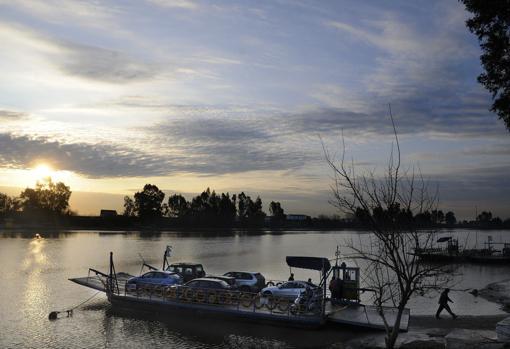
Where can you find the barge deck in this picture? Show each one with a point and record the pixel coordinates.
(240, 305)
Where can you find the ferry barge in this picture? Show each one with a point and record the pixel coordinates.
(451, 253)
(314, 312)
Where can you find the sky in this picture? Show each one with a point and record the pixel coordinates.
(237, 95)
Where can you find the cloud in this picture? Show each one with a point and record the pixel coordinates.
(10, 115)
(84, 61)
(180, 4)
(94, 160)
(102, 64)
(421, 69)
(193, 154)
(89, 14)
(225, 144)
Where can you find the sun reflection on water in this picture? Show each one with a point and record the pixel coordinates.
(35, 294)
(35, 256)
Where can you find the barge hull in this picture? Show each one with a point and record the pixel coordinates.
(169, 308)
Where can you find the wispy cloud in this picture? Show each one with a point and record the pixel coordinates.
(11, 115)
(182, 4)
(93, 160)
(102, 64)
(90, 62)
(91, 14)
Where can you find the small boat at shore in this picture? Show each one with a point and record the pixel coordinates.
(313, 311)
(451, 253)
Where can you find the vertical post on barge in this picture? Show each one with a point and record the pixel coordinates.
(324, 282)
(168, 253)
(111, 287)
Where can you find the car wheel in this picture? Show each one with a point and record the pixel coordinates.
(267, 294)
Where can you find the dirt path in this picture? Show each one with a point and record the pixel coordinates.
(487, 322)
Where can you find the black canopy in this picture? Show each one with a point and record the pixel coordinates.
(315, 263)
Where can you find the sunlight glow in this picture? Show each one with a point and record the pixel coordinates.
(42, 171)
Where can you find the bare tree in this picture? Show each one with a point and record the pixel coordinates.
(387, 204)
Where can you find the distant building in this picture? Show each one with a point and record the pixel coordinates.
(108, 213)
(297, 217)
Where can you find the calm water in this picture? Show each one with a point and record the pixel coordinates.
(34, 273)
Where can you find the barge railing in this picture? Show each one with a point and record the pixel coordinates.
(240, 301)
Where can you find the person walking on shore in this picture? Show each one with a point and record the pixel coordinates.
(443, 304)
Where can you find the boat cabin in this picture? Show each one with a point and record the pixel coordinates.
(350, 281)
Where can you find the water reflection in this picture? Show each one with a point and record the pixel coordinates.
(196, 331)
(34, 288)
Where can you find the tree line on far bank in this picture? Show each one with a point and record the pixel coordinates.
(49, 201)
(206, 208)
(403, 218)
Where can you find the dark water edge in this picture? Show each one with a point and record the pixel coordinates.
(24, 221)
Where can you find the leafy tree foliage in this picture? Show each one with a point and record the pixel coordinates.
(129, 207)
(47, 197)
(148, 202)
(486, 220)
(227, 208)
(450, 218)
(250, 211)
(491, 24)
(484, 217)
(8, 204)
(437, 217)
(178, 207)
(206, 209)
(213, 208)
(276, 210)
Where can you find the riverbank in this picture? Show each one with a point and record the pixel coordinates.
(498, 292)
(426, 332)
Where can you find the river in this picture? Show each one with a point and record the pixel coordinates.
(34, 275)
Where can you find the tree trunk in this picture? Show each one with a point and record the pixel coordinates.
(391, 337)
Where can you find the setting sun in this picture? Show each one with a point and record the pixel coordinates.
(42, 171)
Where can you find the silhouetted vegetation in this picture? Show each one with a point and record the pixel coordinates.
(207, 209)
(47, 198)
(148, 202)
(48, 203)
(392, 207)
(8, 205)
(277, 213)
(491, 24)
